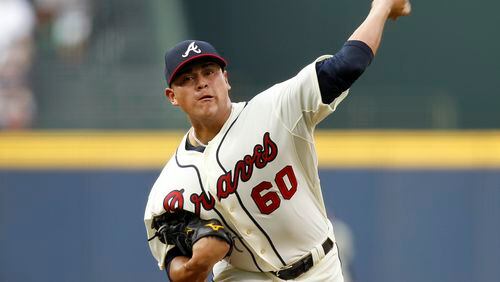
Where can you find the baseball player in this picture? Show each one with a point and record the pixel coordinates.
(241, 196)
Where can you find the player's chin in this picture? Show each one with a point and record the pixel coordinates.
(207, 104)
(207, 107)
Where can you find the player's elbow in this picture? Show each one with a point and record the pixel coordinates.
(350, 62)
(354, 70)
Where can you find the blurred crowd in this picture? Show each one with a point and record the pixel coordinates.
(66, 23)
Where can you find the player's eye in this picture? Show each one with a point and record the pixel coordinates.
(209, 71)
(187, 78)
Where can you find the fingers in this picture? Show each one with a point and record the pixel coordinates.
(407, 9)
(395, 8)
(400, 9)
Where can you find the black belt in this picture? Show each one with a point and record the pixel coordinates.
(295, 270)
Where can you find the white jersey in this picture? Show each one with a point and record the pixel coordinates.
(258, 176)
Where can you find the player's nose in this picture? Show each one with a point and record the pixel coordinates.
(201, 82)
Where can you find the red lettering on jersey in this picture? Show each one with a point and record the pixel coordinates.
(247, 170)
(174, 201)
(243, 169)
(269, 154)
(225, 186)
(202, 200)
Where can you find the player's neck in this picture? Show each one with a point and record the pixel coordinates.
(200, 136)
(204, 131)
(197, 142)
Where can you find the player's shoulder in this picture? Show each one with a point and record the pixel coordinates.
(305, 75)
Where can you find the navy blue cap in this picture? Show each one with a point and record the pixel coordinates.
(188, 51)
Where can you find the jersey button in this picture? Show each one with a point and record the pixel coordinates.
(262, 251)
(248, 232)
(231, 209)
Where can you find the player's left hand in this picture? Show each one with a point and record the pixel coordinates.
(184, 229)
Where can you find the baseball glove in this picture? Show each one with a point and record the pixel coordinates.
(183, 229)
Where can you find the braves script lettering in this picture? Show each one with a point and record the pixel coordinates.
(243, 169)
(174, 201)
(202, 200)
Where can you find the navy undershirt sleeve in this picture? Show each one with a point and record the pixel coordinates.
(338, 73)
(175, 252)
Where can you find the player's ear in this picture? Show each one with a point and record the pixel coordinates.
(226, 77)
(169, 92)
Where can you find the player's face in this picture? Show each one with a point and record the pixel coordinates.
(202, 92)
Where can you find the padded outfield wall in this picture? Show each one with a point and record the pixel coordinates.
(422, 206)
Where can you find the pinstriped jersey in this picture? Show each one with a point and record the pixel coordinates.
(258, 176)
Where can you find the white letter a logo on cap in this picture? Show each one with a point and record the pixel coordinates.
(192, 47)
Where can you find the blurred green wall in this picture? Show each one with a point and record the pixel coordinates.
(437, 69)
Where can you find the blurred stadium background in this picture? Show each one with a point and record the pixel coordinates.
(410, 162)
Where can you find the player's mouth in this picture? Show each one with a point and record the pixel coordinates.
(206, 98)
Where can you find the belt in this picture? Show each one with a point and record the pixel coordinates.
(298, 268)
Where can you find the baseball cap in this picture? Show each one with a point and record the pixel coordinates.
(188, 51)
